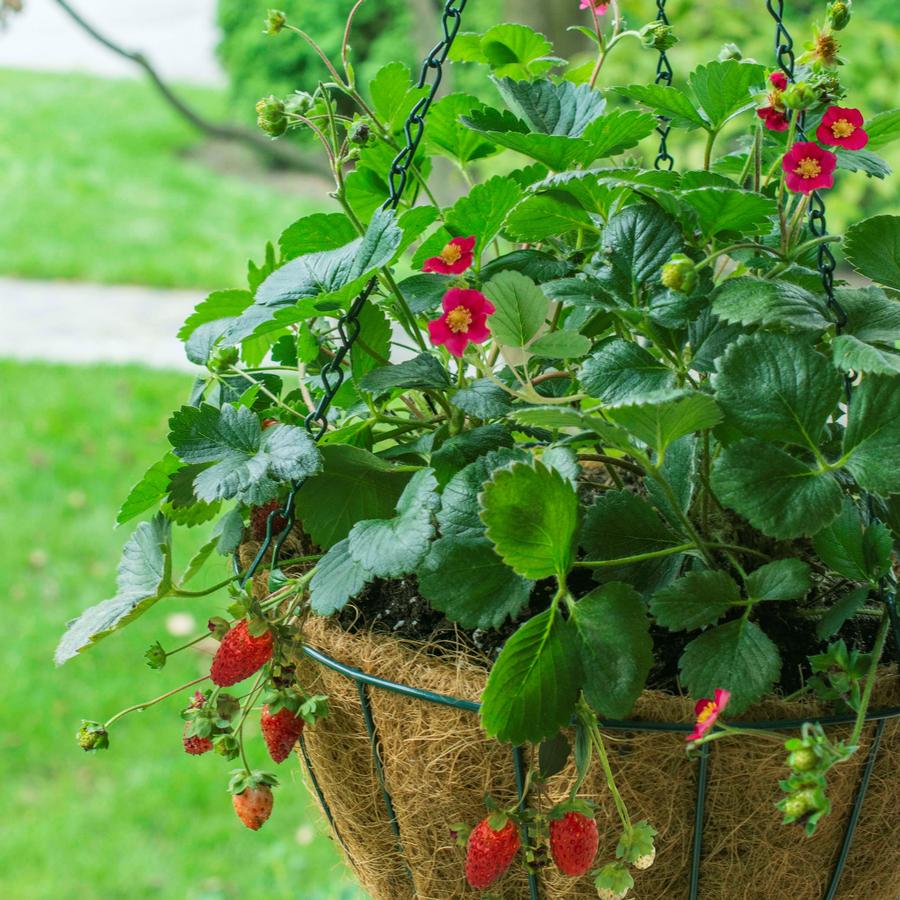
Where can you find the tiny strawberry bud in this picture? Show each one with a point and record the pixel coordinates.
(271, 117)
(679, 274)
(92, 736)
(274, 21)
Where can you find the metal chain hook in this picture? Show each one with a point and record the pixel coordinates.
(663, 76)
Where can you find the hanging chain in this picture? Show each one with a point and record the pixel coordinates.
(348, 327)
(663, 76)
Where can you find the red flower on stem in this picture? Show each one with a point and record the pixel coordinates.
(599, 6)
(778, 80)
(773, 118)
(707, 711)
(808, 167)
(463, 321)
(842, 127)
(455, 258)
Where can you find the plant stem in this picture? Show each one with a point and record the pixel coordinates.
(639, 557)
(138, 707)
(711, 136)
(597, 740)
(877, 650)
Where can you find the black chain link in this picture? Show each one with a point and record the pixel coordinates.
(663, 76)
(348, 327)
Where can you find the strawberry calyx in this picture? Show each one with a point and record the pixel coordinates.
(243, 780)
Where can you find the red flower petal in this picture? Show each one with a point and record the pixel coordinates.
(842, 127)
(808, 167)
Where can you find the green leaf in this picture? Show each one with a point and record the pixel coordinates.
(531, 516)
(560, 345)
(855, 550)
(872, 247)
(316, 275)
(697, 599)
(615, 647)
(482, 399)
(883, 128)
(663, 416)
(421, 372)
(621, 524)
(618, 130)
(337, 579)
(871, 314)
(353, 485)
(773, 305)
(389, 548)
(666, 101)
(465, 579)
(144, 577)
(852, 355)
(725, 87)
(621, 370)
(247, 461)
(638, 242)
(547, 215)
(509, 49)
(534, 684)
(872, 439)
(373, 342)
(218, 306)
(844, 609)
(447, 137)
(863, 161)
(784, 579)
(777, 388)
(315, 233)
(550, 107)
(521, 308)
(198, 560)
(393, 93)
(679, 469)
(774, 491)
(152, 488)
(461, 449)
(483, 211)
(720, 209)
(423, 293)
(738, 657)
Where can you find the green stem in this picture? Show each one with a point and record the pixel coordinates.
(871, 677)
(597, 739)
(707, 152)
(638, 557)
(138, 707)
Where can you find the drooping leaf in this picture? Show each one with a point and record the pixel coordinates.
(618, 130)
(863, 161)
(421, 372)
(697, 599)
(666, 101)
(338, 578)
(152, 488)
(883, 127)
(853, 549)
(615, 647)
(840, 612)
(520, 308)
(218, 306)
(872, 247)
(852, 355)
(621, 370)
(872, 439)
(784, 579)
(773, 305)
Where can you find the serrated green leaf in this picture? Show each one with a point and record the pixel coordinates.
(531, 516)
(549, 107)
(840, 612)
(738, 657)
(872, 440)
(872, 247)
(784, 579)
(423, 293)
(152, 488)
(144, 577)
(389, 548)
(621, 370)
(520, 308)
(852, 355)
(776, 492)
(777, 388)
(615, 647)
(447, 137)
(198, 560)
(421, 372)
(560, 345)
(852, 549)
(666, 101)
(638, 242)
(464, 578)
(697, 599)
(483, 211)
(219, 305)
(724, 87)
(461, 449)
(883, 127)
(394, 94)
(618, 130)
(316, 233)
(353, 485)
(773, 305)
(510, 49)
(544, 215)
(719, 209)
(863, 161)
(373, 344)
(872, 316)
(482, 399)
(338, 578)
(534, 684)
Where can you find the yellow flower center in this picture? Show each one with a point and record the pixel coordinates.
(706, 713)
(808, 168)
(841, 128)
(459, 320)
(451, 254)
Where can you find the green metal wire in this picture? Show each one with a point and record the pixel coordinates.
(699, 810)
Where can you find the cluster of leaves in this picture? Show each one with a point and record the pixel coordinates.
(623, 454)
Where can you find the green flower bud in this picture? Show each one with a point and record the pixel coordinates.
(679, 274)
(359, 132)
(828, 87)
(226, 745)
(803, 760)
(222, 359)
(800, 803)
(799, 96)
(299, 103)
(838, 14)
(156, 656)
(730, 51)
(218, 627)
(92, 736)
(274, 21)
(658, 36)
(270, 116)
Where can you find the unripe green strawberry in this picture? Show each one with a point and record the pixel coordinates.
(490, 853)
(803, 760)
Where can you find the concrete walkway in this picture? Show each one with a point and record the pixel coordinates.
(58, 321)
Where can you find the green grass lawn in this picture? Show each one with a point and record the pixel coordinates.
(143, 819)
(101, 181)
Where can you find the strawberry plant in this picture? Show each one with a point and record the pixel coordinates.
(610, 414)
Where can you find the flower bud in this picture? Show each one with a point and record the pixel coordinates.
(270, 116)
(274, 21)
(226, 745)
(730, 51)
(299, 103)
(838, 14)
(679, 274)
(92, 736)
(359, 132)
(658, 36)
(803, 760)
(222, 359)
(799, 96)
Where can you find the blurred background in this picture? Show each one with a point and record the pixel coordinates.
(120, 208)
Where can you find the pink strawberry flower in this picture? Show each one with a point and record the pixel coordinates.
(707, 711)
(842, 127)
(773, 118)
(808, 167)
(463, 321)
(599, 6)
(455, 258)
(778, 80)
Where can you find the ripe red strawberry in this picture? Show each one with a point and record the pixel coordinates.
(281, 730)
(196, 745)
(573, 843)
(490, 853)
(254, 806)
(259, 516)
(240, 655)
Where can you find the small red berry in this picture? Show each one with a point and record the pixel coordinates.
(240, 655)
(490, 853)
(281, 730)
(259, 520)
(268, 423)
(196, 745)
(254, 806)
(573, 843)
